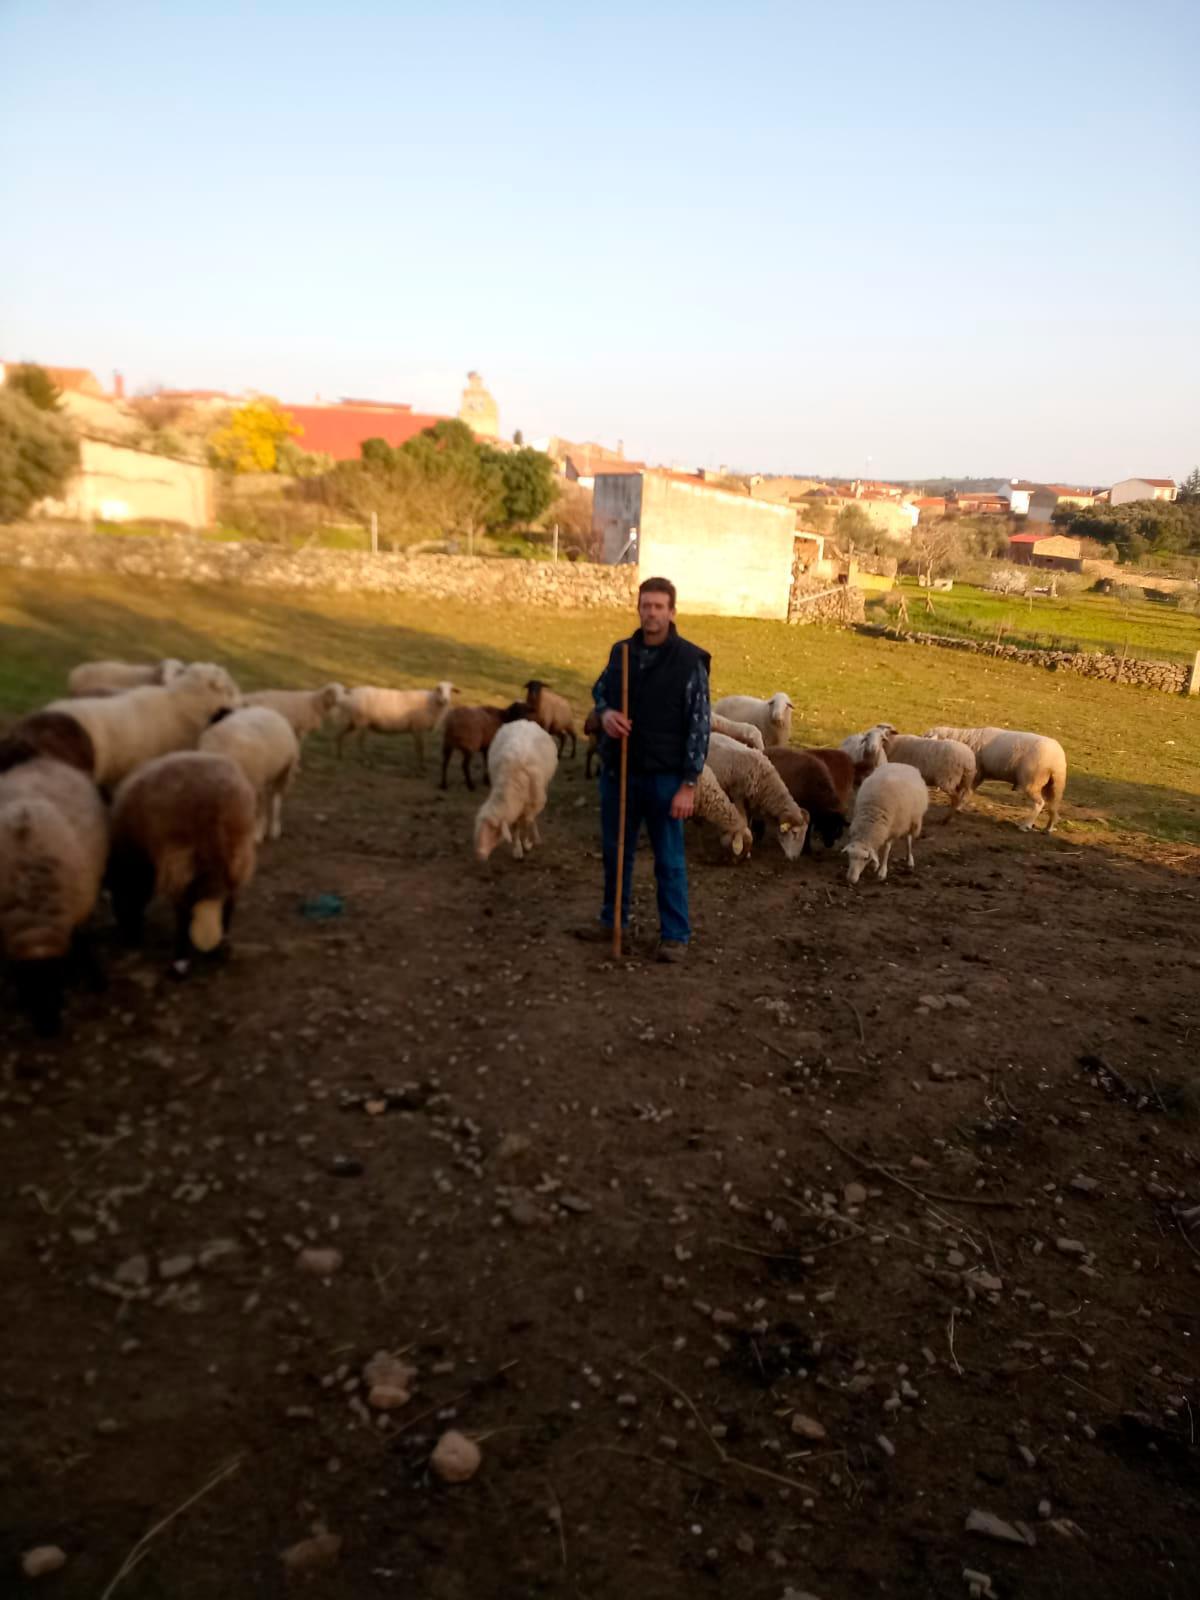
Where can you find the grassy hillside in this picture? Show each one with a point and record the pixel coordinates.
(1133, 754)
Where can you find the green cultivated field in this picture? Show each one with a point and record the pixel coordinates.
(1153, 629)
(1133, 754)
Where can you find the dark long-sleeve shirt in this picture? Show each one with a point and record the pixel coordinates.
(697, 711)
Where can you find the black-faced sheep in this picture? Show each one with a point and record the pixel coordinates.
(53, 849)
(182, 828)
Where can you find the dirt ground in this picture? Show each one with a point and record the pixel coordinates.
(605, 1212)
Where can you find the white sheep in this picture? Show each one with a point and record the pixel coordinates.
(128, 729)
(305, 709)
(744, 732)
(713, 805)
(891, 805)
(757, 790)
(262, 744)
(945, 764)
(94, 678)
(1033, 763)
(521, 762)
(415, 711)
(772, 718)
(866, 750)
(183, 828)
(53, 850)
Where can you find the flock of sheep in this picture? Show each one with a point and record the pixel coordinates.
(164, 780)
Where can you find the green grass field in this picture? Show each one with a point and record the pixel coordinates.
(1133, 754)
(1152, 629)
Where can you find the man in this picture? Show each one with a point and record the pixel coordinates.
(667, 728)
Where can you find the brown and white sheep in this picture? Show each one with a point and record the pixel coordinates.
(552, 712)
(183, 829)
(471, 729)
(810, 785)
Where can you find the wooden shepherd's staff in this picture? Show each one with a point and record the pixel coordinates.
(621, 813)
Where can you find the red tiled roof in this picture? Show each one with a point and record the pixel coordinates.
(1060, 489)
(339, 431)
(1033, 538)
(1157, 483)
(931, 500)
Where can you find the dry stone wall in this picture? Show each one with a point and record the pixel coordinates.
(181, 559)
(1168, 676)
(817, 600)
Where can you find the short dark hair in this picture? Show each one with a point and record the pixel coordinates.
(658, 586)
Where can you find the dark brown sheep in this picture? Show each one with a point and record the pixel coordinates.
(810, 785)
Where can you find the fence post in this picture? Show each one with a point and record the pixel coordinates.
(1194, 676)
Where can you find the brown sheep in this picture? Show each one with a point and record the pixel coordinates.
(552, 712)
(471, 729)
(843, 771)
(810, 786)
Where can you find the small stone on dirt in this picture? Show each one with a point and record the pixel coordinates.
(1085, 1185)
(1070, 1247)
(807, 1427)
(513, 1145)
(994, 1527)
(309, 1555)
(176, 1266)
(525, 1214)
(134, 1273)
(322, 1263)
(388, 1381)
(43, 1559)
(456, 1458)
(854, 1194)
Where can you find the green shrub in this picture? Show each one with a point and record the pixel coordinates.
(38, 453)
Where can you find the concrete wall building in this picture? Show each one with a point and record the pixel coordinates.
(116, 483)
(727, 554)
(1017, 492)
(1142, 489)
(1048, 497)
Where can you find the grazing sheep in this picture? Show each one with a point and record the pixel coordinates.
(592, 731)
(97, 678)
(522, 762)
(891, 805)
(744, 732)
(305, 709)
(772, 718)
(1031, 762)
(263, 745)
(866, 749)
(841, 770)
(53, 848)
(755, 787)
(471, 729)
(552, 712)
(713, 805)
(415, 711)
(182, 828)
(808, 781)
(130, 728)
(945, 764)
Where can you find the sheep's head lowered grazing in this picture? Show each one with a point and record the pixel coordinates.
(861, 855)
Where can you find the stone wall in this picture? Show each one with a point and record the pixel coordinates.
(817, 600)
(183, 559)
(1168, 676)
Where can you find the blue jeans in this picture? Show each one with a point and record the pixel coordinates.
(648, 800)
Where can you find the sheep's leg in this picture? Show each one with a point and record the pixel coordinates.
(561, 739)
(574, 744)
(261, 808)
(277, 813)
(912, 865)
(1038, 804)
(131, 877)
(182, 951)
(884, 858)
(466, 764)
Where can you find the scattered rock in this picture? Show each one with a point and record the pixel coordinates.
(958, 1002)
(134, 1273)
(525, 1214)
(940, 1074)
(44, 1558)
(455, 1457)
(310, 1555)
(176, 1266)
(932, 1002)
(388, 1381)
(979, 1585)
(807, 1427)
(513, 1145)
(1085, 1185)
(322, 1263)
(1027, 1456)
(854, 1194)
(346, 1167)
(987, 1282)
(955, 1258)
(996, 1528)
(1071, 1247)
(574, 1203)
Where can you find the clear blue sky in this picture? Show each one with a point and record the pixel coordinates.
(944, 237)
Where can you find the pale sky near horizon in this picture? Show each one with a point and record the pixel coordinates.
(898, 240)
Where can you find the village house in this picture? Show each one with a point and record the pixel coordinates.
(1128, 489)
(1047, 498)
(1017, 492)
(340, 428)
(1053, 550)
(728, 553)
(971, 502)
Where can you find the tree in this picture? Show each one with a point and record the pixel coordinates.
(38, 453)
(1190, 487)
(291, 460)
(529, 484)
(518, 437)
(249, 440)
(36, 384)
(935, 545)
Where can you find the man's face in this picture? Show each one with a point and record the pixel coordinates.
(657, 614)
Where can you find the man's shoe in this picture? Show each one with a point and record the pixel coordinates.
(671, 951)
(595, 933)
